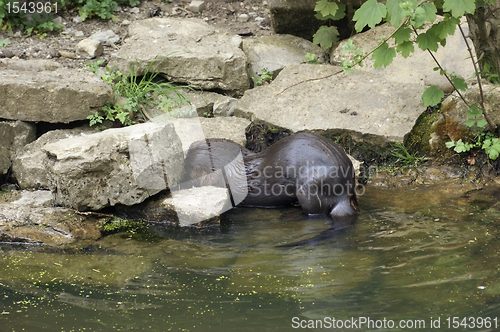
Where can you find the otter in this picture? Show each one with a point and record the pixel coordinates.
(304, 169)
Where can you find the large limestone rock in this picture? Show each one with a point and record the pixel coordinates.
(277, 51)
(42, 90)
(14, 135)
(185, 50)
(116, 166)
(419, 66)
(362, 104)
(28, 167)
(31, 218)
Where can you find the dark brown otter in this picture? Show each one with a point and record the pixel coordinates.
(303, 168)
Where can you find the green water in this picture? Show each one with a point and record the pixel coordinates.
(413, 255)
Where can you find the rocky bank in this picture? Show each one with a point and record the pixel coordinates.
(69, 173)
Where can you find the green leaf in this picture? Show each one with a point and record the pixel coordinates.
(458, 8)
(4, 42)
(470, 122)
(462, 147)
(348, 47)
(326, 7)
(446, 27)
(459, 83)
(432, 96)
(405, 48)
(428, 40)
(474, 111)
(402, 35)
(481, 123)
(383, 55)
(424, 13)
(370, 13)
(450, 145)
(326, 36)
(492, 147)
(394, 12)
(340, 14)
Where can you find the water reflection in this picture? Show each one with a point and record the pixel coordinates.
(413, 254)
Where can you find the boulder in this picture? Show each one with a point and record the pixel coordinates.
(28, 167)
(277, 51)
(41, 90)
(433, 130)
(419, 66)
(198, 206)
(321, 97)
(14, 135)
(32, 219)
(186, 51)
(89, 48)
(115, 166)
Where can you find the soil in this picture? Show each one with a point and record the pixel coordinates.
(61, 46)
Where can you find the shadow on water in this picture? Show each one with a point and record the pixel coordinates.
(414, 255)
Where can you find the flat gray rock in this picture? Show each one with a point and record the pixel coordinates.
(360, 102)
(419, 66)
(186, 51)
(41, 90)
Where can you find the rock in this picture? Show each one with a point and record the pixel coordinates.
(243, 18)
(39, 198)
(89, 48)
(115, 166)
(360, 104)
(66, 54)
(432, 131)
(277, 51)
(32, 219)
(41, 90)
(28, 167)
(210, 103)
(185, 51)
(197, 6)
(418, 67)
(13, 137)
(134, 10)
(295, 17)
(79, 33)
(106, 37)
(198, 128)
(198, 206)
(232, 128)
(77, 19)
(6, 53)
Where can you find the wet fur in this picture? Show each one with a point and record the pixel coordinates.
(284, 158)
